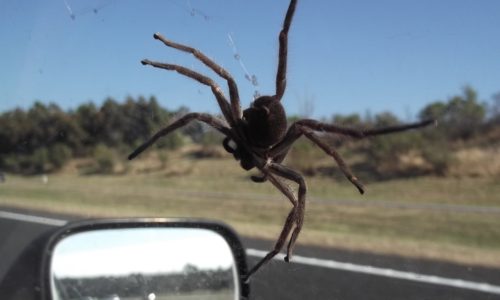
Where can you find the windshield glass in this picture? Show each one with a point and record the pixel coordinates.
(76, 101)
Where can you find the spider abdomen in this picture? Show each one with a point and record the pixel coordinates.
(265, 122)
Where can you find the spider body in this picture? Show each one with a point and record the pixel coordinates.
(259, 137)
(263, 126)
(265, 122)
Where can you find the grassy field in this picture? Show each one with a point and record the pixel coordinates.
(336, 215)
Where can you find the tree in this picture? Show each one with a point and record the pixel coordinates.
(494, 112)
(112, 129)
(434, 110)
(465, 114)
(385, 119)
(14, 127)
(352, 120)
(461, 117)
(88, 118)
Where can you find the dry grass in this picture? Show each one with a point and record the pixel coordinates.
(218, 189)
(477, 162)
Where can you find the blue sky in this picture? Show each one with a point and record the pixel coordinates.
(344, 56)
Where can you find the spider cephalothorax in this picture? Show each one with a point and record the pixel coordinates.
(259, 137)
(265, 122)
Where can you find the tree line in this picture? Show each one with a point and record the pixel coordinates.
(138, 286)
(463, 121)
(44, 137)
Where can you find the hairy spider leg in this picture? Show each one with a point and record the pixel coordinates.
(283, 51)
(287, 227)
(216, 90)
(281, 72)
(307, 126)
(184, 120)
(292, 136)
(296, 177)
(336, 156)
(295, 131)
(233, 88)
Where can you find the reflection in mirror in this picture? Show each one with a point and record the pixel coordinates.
(144, 264)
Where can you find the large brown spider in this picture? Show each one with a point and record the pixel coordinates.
(258, 136)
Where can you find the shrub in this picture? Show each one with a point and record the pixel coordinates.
(34, 163)
(384, 153)
(58, 155)
(439, 157)
(303, 155)
(211, 137)
(172, 141)
(105, 159)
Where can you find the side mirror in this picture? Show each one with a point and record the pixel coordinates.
(147, 259)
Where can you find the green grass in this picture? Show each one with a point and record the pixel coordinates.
(219, 189)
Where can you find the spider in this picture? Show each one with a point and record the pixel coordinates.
(259, 137)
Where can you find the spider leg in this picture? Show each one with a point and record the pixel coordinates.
(259, 179)
(283, 51)
(206, 118)
(361, 133)
(233, 88)
(294, 176)
(287, 227)
(336, 156)
(295, 131)
(216, 90)
(263, 178)
(307, 126)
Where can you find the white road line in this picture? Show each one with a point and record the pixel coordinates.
(32, 219)
(317, 262)
(332, 264)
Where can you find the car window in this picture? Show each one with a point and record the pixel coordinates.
(317, 161)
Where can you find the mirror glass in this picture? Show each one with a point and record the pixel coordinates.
(144, 264)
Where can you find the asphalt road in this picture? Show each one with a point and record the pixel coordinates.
(316, 273)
